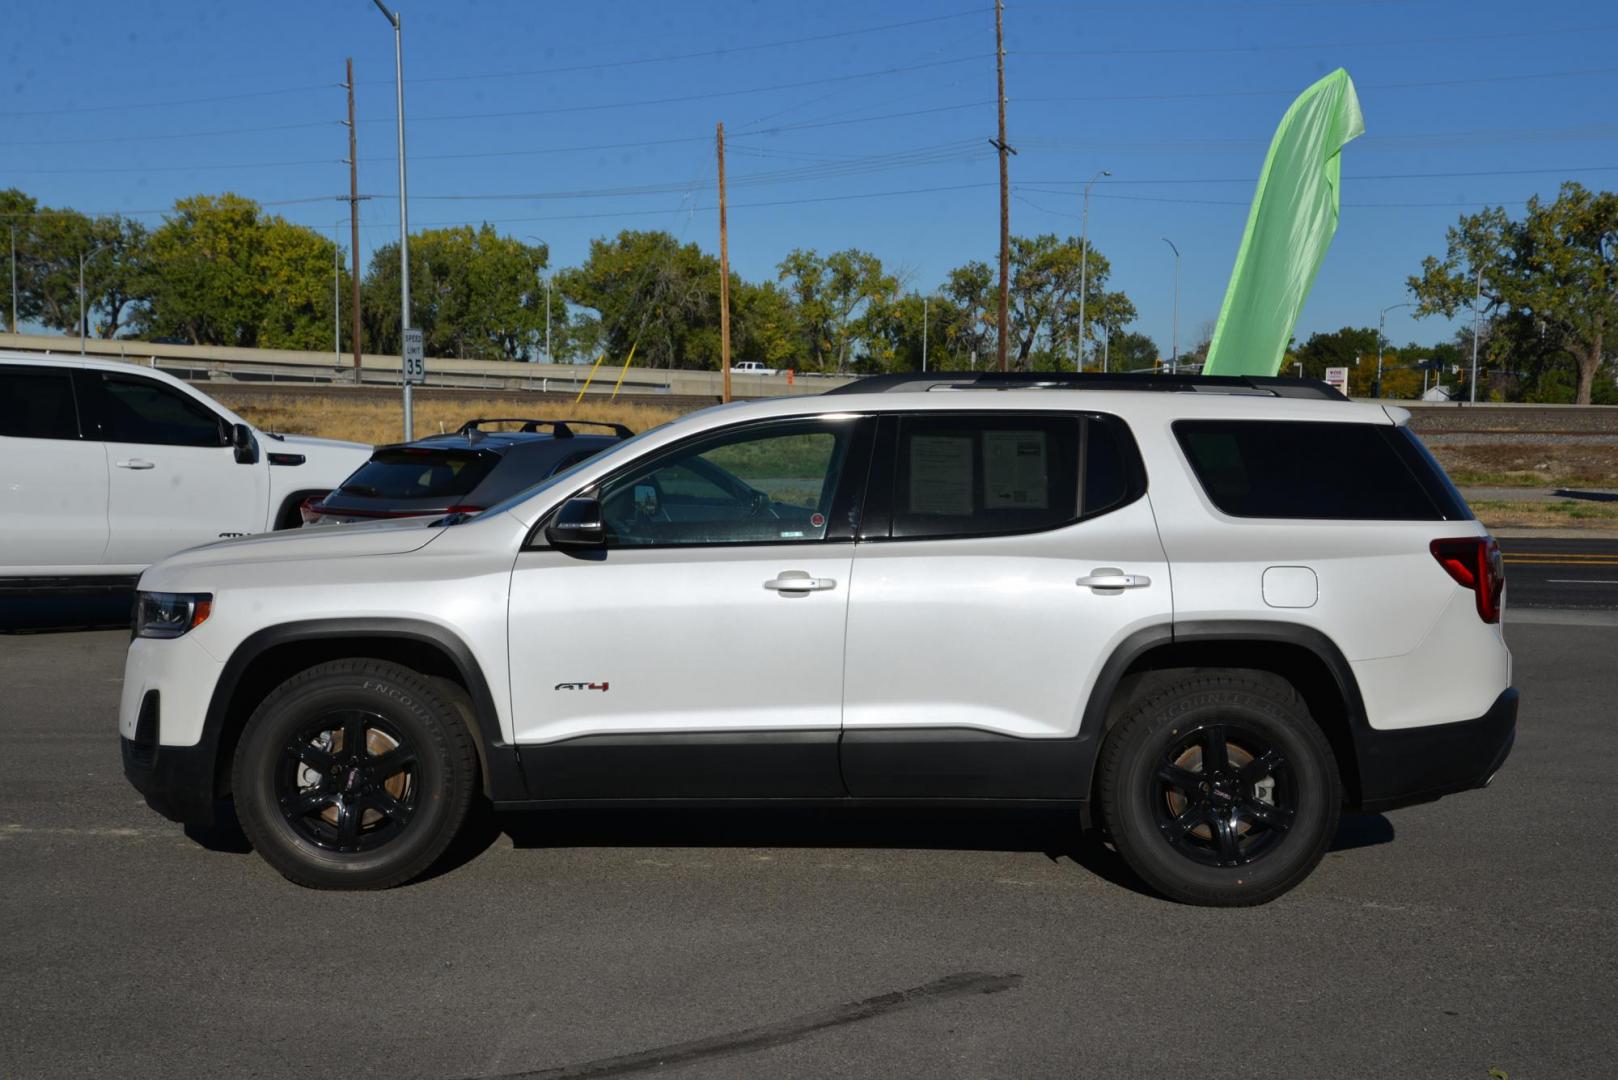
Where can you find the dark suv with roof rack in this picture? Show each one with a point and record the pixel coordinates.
(460, 473)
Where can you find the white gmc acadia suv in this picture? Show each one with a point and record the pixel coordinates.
(1205, 613)
(106, 467)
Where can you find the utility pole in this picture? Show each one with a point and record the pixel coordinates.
(404, 217)
(1477, 300)
(336, 296)
(1005, 182)
(1084, 258)
(13, 278)
(1381, 323)
(724, 277)
(924, 333)
(1174, 364)
(354, 217)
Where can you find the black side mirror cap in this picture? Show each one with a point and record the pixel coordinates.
(577, 524)
(245, 446)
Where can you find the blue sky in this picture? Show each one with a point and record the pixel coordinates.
(590, 118)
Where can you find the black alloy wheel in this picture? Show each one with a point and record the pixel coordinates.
(346, 781)
(1228, 796)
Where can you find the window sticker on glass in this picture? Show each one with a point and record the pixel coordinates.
(941, 474)
(1014, 470)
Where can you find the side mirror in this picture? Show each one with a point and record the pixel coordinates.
(245, 446)
(577, 524)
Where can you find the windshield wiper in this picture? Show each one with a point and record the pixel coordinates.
(358, 489)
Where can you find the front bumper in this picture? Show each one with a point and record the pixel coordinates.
(176, 781)
(1415, 765)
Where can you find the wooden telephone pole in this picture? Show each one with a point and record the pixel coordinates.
(1005, 185)
(724, 277)
(354, 219)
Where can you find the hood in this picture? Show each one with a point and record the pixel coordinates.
(394, 536)
(310, 442)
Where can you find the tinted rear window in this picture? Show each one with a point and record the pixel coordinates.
(37, 404)
(1331, 471)
(412, 472)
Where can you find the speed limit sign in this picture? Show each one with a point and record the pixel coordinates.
(415, 364)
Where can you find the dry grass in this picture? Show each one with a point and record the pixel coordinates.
(1546, 463)
(334, 415)
(1498, 513)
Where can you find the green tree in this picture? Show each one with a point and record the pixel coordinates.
(649, 291)
(219, 271)
(974, 301)
(1044, 306)
(473, 294)
(50, 242)
(839, 297)
(763, 325)
(1549, 280)
(1132, 352)
(17, 210)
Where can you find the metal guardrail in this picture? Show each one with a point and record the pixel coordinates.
(202, 363)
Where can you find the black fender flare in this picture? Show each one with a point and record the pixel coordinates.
(1092, 727)
(502, 764)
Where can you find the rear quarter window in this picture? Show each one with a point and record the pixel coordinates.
(1312, 470)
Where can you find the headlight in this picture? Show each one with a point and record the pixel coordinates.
(168, 615)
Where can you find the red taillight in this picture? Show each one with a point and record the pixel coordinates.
(1475, 563)
(309, 509)
(464, 510)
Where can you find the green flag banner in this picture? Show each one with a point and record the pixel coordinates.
(1293, 220)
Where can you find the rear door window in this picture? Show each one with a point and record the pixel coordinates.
(37, 403)
(992, 474)
(419, 472)
(1327, 471)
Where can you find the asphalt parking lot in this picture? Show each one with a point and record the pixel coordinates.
(1438, 941)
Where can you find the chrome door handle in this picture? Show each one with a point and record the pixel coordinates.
(795, 581)
(1110, 577)
(136, 463)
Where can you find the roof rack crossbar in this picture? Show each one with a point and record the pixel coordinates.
(1286, 386)
(560, 429)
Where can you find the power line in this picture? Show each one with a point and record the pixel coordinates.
(708, 95)
(169, 135)
(1446, 39)
(597, 66)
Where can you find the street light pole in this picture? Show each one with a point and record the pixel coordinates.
(336, 293)
(404, 214)
(1084, 258)
(1476, 301)
(924, 333)
(548, 358)
(1381, 323)
(83, 327)
(1174, 363)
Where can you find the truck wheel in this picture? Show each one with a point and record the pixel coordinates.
(353, 775)
(1221, 790)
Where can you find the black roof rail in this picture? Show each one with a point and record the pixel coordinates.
(560, 429)
(1286, 386)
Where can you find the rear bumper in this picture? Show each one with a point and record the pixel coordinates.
(1416, 765)
(176, 781)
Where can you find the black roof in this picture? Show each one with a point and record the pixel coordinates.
(471, 435)
(1269, 385)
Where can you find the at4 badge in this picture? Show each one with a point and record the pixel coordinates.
(581, 686)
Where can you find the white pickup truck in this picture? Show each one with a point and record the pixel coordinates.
(106, 467)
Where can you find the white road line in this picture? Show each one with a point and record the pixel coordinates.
(1581, 581)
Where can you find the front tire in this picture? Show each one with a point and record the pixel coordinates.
(1220, 790)
(353, 774)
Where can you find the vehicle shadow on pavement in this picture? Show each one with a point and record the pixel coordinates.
(30, 614)
(1054, 834)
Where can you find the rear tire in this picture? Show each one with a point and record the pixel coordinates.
(330, 816)
(1220, 790)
